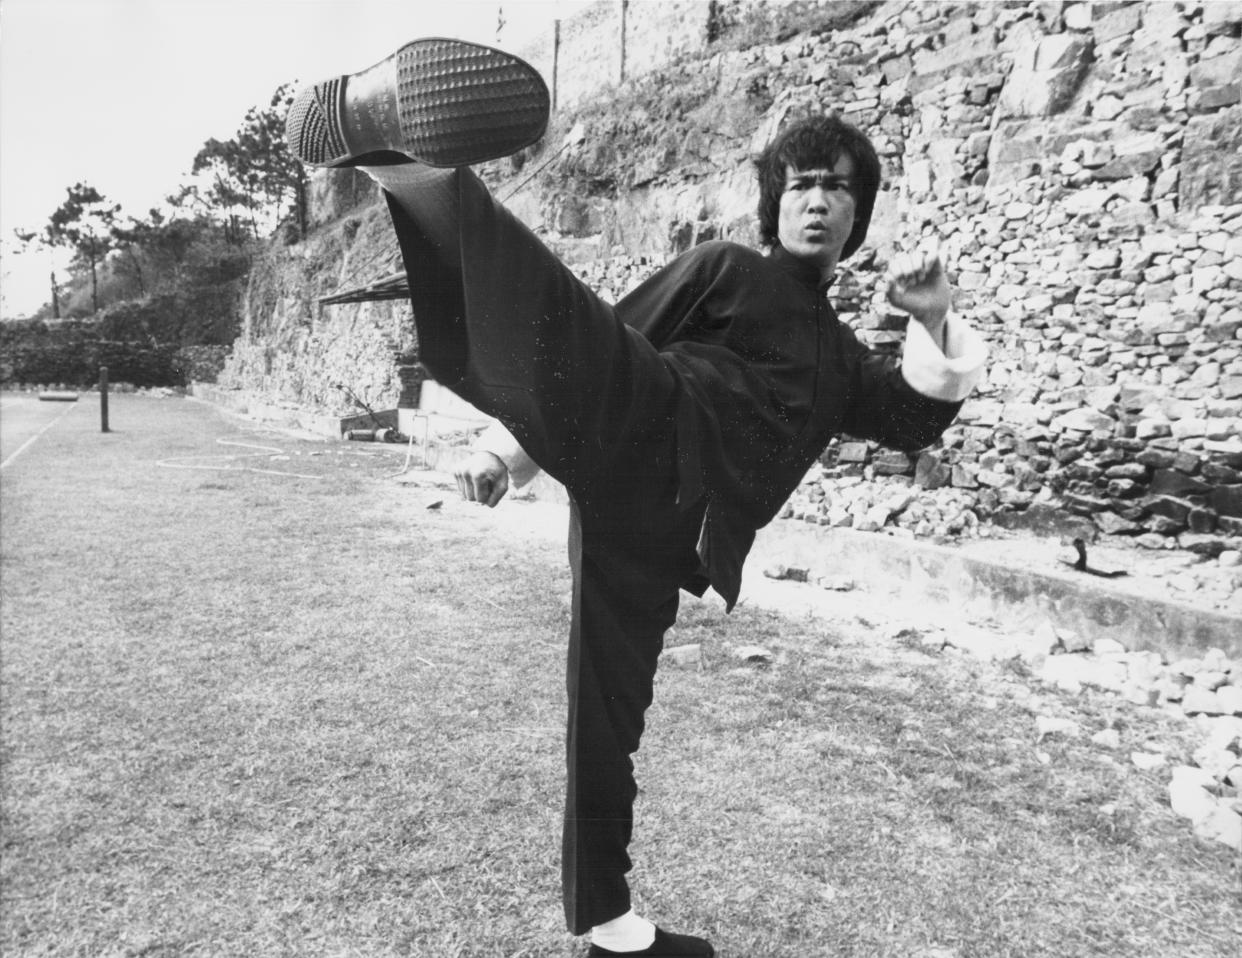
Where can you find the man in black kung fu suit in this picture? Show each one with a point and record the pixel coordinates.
(679, 420)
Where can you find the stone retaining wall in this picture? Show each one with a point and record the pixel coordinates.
(300, 353)
(1081, 163)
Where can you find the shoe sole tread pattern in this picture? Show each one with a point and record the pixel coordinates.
(460, 104)
(313, 126)
(457, 104)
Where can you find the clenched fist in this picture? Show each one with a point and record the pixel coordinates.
(917, 283)
(482, 477)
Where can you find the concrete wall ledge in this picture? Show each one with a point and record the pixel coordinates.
(1013, 591)
(1013, 582)
(257, 406)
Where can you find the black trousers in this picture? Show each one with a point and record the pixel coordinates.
(503, 323)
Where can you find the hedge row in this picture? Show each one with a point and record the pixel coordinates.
(75, 362)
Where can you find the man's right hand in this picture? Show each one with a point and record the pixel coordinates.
(482, 477)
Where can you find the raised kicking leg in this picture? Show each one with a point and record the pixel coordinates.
(506, 325)
(501, 320)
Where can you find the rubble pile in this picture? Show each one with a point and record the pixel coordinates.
(1202, 691)
(1208, 691)
(1206, 569)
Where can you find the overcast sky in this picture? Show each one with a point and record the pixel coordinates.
(121, 94)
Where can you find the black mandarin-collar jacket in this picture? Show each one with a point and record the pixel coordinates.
(769, 376)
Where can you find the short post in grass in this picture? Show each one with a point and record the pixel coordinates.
(103, 398)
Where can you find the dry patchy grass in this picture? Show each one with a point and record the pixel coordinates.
(253, 715)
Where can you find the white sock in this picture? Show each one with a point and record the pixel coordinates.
(627, 933)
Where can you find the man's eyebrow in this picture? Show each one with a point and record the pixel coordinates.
(818, 176)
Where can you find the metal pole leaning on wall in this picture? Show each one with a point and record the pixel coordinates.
(103, 399)
(624, 6)
(556, 60)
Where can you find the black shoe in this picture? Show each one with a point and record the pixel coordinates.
(440, 102)
(665, 946)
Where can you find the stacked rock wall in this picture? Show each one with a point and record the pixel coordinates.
(294, 351)
(1051, 150)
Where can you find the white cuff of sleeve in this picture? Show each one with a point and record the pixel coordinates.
(951, 375)
(497, 440)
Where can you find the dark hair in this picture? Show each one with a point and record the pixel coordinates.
(817, 141)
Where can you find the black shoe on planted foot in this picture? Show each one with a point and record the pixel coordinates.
(439, 102)
(666, 945)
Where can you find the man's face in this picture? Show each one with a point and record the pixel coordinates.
(817, 213)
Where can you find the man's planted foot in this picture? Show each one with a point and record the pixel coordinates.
(440, 102)
(666, 945)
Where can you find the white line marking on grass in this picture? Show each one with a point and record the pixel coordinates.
(191, 462)
(29, 442)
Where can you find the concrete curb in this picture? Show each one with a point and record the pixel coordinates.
(256, 406)
(1011, 594)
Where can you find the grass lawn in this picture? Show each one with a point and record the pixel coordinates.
(309, 712)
